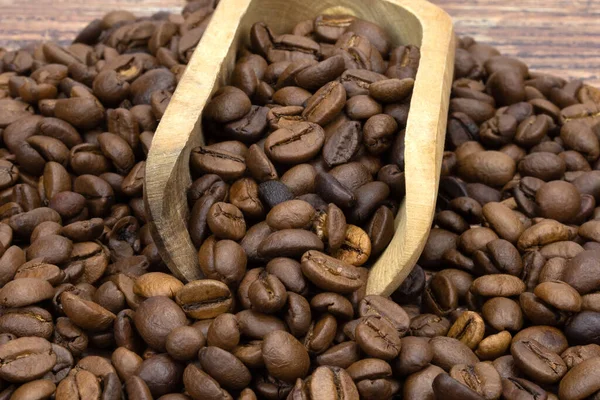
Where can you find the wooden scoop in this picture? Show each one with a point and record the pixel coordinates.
(407, 21)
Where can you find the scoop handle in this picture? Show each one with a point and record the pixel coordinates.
(179, 131)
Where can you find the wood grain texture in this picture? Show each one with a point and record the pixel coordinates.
(561, 37)
(556, 36)
(408, 22)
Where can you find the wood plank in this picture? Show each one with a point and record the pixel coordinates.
(561, 37)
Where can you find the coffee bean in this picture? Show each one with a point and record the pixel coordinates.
(156, 284)
(579, 272)
(575, 355)
(293, 214)
(331, 190)
(226, 165)
(331, 382)
(517, 388)
(289, 243)
(489, 167)
(27, 321)
(226, 221)
(272, 193)
(54, 249)
(25, 291)
(577, 383)
(159, 373)
(469, 328)
(26, 359)
(204, 299)
(482, 378)
(358, 81)
(156, 317)
(223, 260)
(319, 269)
(493, 346)
(559, 295)
(285, 357)
(378, 338)
(229, 371)
(448, 352)
(420, 384)
(503, 314)
(267, 294)
(441, 296)
(289, 273)
(444, 385)
(40, 387)
(201, 385)
(295, 143)
(333, 303)
(498, 285)
(184, 342)
(581, 329)
(320, 334)
(343, 144)
(85, 314)
(537, 361)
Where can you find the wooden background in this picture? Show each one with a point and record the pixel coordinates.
(556, 36)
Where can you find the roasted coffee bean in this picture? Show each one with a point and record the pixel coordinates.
(27, 321)
(441, 296)
(537, 361)
(226, 221)
(293, 214)
(285, 357)
(378, 338)
(156, 284)
(320, 334)
(419, 385)
(226, 165)
(291, 243)
(85, 314)
(469, 328)
(493, 346)
(201, 385)
(577, 383)
(267, 294)
(295, 143)
(415, 354)
(355, 248)
(517, 388)
(224, 260)
(156, 317)
(26, 359)
(581, 329)
(487, 167)
(229, 371)
(204, 299)
(343, 144)
(24, 292)
(329, 273)
(580, 272)
(272, 193)
(451, 388)
(184, 342)
(330, 226)
(502, 313)
(482, 378)
(448, 352)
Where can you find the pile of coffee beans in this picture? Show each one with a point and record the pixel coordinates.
(293, 199)
(305, 151)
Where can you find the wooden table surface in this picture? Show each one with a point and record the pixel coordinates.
(556, 36)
